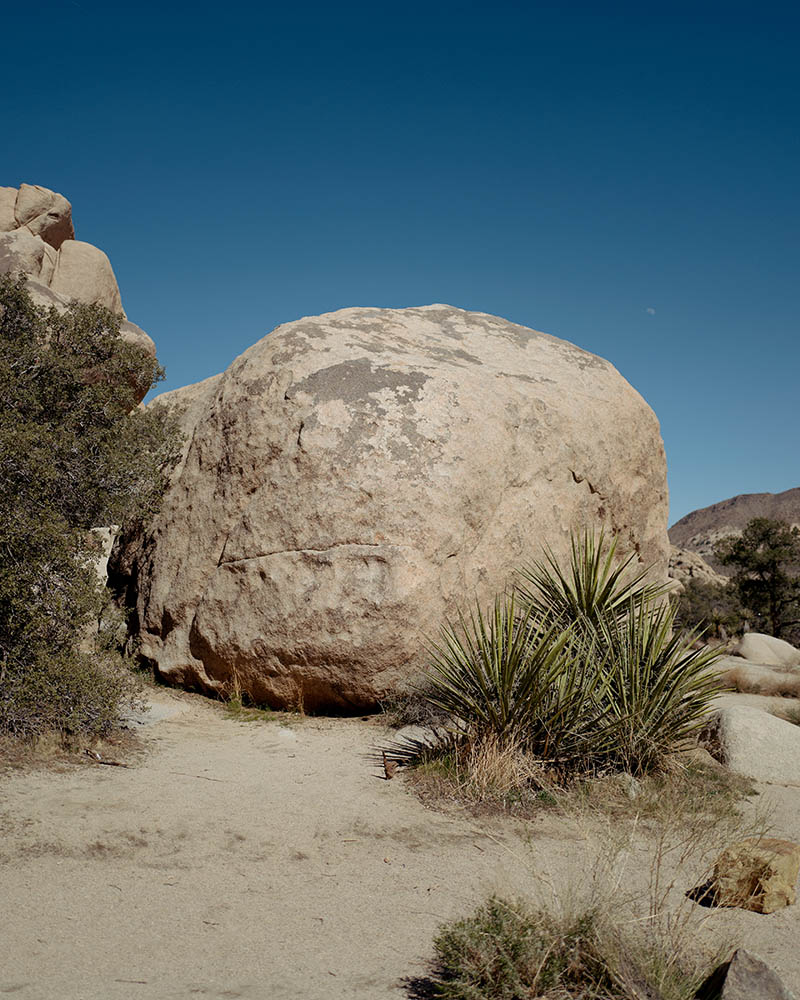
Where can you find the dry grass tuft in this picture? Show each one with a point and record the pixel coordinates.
(789, 713)
(784, 685)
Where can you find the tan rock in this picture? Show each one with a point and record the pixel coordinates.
(8, 202)
(83, 272)
(767, 650)
(189, 403)
(44, 213)
(685, 565)
(22, 251)
(353, 478)
(136, 335)
(37, 239)
(754, 743)
(758, 874)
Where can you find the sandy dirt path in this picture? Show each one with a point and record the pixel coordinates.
(259, 861)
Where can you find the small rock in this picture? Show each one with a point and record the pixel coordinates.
(757, 874)
(744, 977)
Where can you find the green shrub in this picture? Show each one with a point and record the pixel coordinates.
(75, 454)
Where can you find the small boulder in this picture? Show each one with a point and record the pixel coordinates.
(744, 977)
(754, 743)
(758, 874)
(768, 650)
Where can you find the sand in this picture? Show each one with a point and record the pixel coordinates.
(261, 860)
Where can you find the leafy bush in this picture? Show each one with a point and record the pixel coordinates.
(75, 454)
(581, 672)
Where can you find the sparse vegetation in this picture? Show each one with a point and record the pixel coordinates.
(580, 673)
(75, 454)
(789, 713)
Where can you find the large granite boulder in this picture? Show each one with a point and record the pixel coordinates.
(37, 238)
(353, 478)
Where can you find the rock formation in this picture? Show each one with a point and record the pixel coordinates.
(354, 478)
(685, 566)
(37, 238)
(701, 530)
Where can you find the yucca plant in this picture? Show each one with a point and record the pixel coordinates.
(493, 671)
(658, 686)
(596, 583)
(579, 670)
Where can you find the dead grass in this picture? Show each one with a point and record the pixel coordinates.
(624, 925)
(490, 780)
(784, 685)
(789, 713)
(49, 751)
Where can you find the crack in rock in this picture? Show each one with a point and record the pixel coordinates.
(336, 545)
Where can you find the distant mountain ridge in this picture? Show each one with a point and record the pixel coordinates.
(702, 529)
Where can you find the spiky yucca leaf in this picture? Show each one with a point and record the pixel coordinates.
(492, 671)
(594, 584)
(659, 686)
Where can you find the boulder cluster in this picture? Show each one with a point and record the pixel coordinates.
(37, 238)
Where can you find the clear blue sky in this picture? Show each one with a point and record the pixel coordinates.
(623, 175)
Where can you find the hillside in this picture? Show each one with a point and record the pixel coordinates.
(702, 529)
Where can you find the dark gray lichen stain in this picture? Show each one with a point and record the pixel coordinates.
(357, 383)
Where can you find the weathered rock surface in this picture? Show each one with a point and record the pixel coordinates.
(758, 874)
(754, 743)
(354, 477)
(767, 650)
(40, 211)
(744, 977)
(38, 239)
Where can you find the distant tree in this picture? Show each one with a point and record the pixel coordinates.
(713, 607)
(75, 454)
(766, 561)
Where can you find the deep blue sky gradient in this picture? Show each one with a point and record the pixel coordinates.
(568, 166)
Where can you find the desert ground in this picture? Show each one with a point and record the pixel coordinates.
(264, 859)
